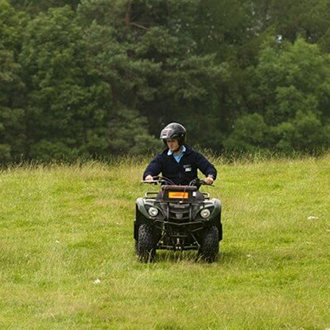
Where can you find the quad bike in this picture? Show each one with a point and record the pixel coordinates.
(177, 218)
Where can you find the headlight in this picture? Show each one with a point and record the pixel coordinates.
(153, 211)
(205, 213)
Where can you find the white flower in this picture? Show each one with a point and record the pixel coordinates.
(311, 217)
(97, 281)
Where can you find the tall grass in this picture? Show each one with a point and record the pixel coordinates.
(67, 254)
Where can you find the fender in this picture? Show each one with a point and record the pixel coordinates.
(217, 206)
(142, 215)
(140, 207)
(216, 216)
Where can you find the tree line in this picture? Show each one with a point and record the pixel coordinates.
(97, 78)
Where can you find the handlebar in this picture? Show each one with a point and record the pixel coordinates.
(159, 180)
(165, 181)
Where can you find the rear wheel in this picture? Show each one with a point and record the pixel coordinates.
(209, 249)
(145, 246)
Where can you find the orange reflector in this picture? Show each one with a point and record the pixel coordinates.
(178, 194)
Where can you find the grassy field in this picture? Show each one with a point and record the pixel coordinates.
(67, 253)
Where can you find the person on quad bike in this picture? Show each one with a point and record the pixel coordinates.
(178, 162)
(179, 217)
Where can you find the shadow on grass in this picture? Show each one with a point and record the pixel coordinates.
(231, 256)
(225, 257)
(171, 256)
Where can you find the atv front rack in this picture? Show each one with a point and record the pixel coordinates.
(154, 194)
(185, 194)
(172, 193)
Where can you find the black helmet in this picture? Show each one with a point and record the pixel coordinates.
(173, 131)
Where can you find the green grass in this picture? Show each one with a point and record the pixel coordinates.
(67, 254)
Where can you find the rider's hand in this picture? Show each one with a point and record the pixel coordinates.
(209, 180)
(149, 178)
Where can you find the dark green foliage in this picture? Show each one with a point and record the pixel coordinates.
(76, 105)
(12, 126)
(101, 78)
(57, 104)
(290, 103)
(36, 6)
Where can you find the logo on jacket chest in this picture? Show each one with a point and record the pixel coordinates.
(187, 168)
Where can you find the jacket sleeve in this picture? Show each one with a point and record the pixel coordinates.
(205, 166)
(154, 168)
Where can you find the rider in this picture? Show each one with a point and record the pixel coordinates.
(178, 162)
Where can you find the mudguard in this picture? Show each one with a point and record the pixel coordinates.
(215, 217)
(140, 207)
(142, 215)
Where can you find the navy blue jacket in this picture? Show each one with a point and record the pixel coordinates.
(183, 172)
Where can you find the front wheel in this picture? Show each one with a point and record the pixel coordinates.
(145, 246)
(209, 249)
